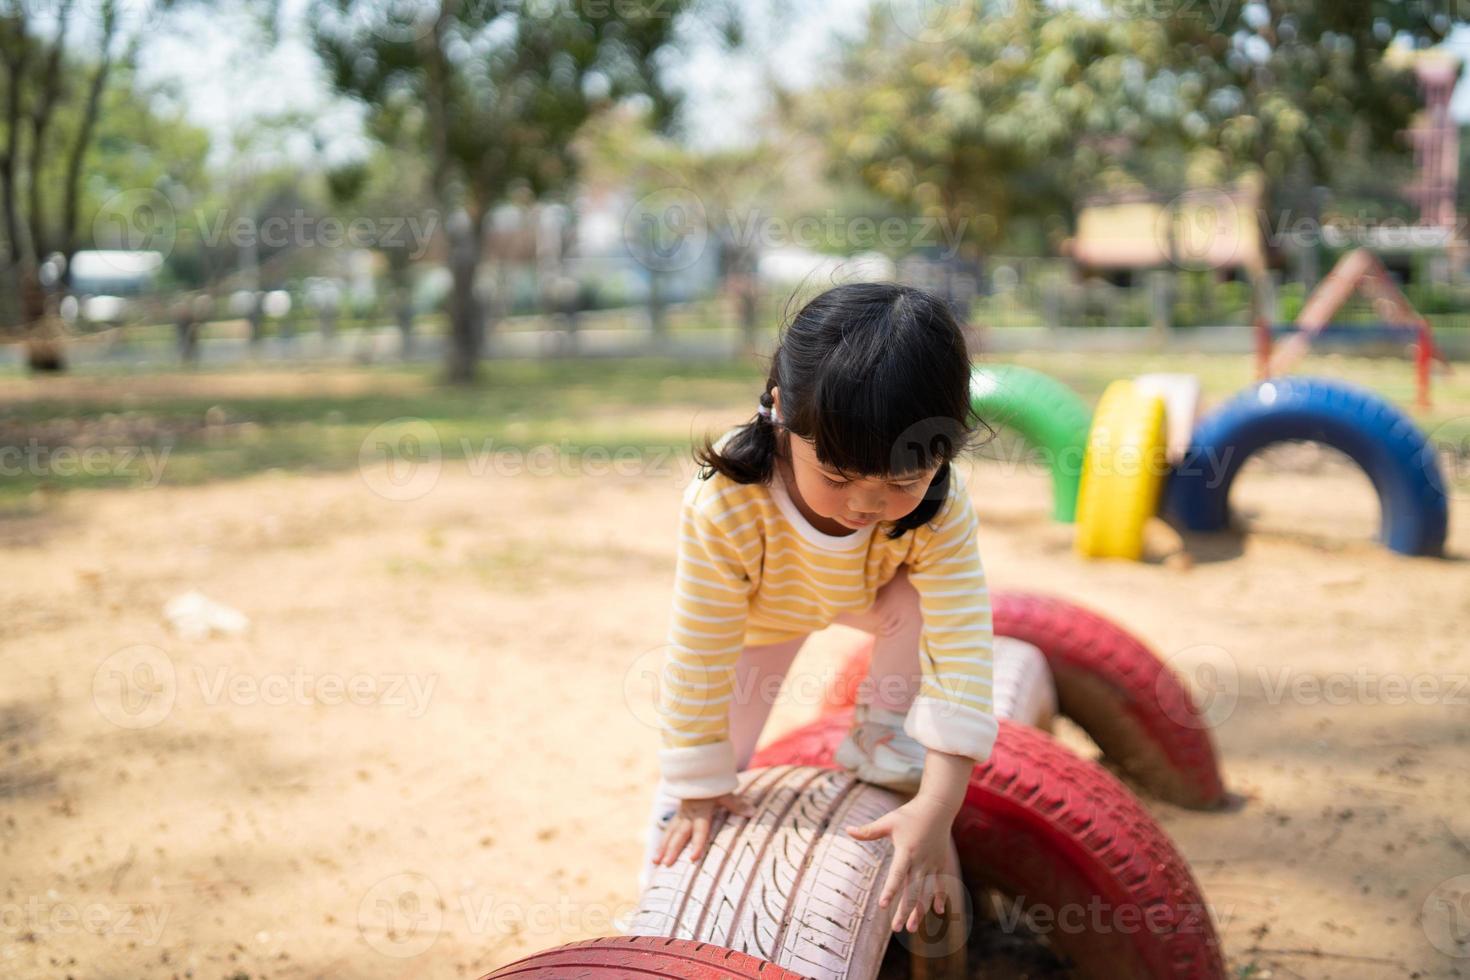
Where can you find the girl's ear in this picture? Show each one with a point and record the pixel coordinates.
(776, 402)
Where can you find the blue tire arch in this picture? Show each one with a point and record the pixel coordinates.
(1401, 463)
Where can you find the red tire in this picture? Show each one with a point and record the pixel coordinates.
(1113, 686)
(619, 957)
(1064, 838)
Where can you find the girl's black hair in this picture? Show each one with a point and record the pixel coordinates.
(877, 375)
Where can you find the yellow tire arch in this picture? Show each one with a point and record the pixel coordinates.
(1122, 472)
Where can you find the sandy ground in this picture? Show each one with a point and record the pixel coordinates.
(431, 753)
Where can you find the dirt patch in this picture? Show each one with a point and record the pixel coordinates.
(433, 751)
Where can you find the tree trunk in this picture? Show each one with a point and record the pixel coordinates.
(257, 320)
(466, 320)
(405, 321)
(327, 324)
(187, 328)
(401, 300)
(745, 290)
(658, 321)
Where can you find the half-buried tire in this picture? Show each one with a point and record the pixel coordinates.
(1107, 681)
(1047, 414)
(1071, 848)
(619, 957)
(1392, 451)
(789, 884)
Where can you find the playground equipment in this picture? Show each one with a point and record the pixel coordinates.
(789, 884)
(1138, 430)
(1060, 834)
(1046, 414)
(1111, 685)
(1394, 454)
(617, 957)
(1181, 396)
(1358, 270)
(1122, 472)
(787, 892)
(1041, 825)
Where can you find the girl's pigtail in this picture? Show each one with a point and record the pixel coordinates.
(748, 454)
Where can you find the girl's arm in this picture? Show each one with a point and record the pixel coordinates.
(952, 715)
(706, 635)
(953, 711)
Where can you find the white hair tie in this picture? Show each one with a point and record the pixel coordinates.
(764, 411)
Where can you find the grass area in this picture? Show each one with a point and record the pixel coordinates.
(298, 421)
(183, 427)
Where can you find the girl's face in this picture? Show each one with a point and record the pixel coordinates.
(852, 502)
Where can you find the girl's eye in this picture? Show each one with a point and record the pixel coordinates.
(907, 487)
(833, 483)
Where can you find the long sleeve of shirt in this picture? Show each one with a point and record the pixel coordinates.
(953, 711)
(712, 589)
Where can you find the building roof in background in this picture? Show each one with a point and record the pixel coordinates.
(1205, 228)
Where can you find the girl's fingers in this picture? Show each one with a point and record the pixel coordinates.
(678, 837)
(895, 881)
(901, 903)
(701, 837)
(911, 896)
(921, 907)
(871, 831)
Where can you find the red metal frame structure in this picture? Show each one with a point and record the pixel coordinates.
(1358, 270)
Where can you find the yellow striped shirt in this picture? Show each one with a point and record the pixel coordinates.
(752, 570)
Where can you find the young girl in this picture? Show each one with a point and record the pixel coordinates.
(837, 503)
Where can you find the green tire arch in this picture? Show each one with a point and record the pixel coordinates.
(1047, 414)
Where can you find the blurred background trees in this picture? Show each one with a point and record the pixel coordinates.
(492, 95)
(574, 162)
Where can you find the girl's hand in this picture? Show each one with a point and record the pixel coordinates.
(920, 830)
(693, 821)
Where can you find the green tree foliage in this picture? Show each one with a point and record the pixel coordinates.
(492, 92)
(73, 129)
(1021, 108)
